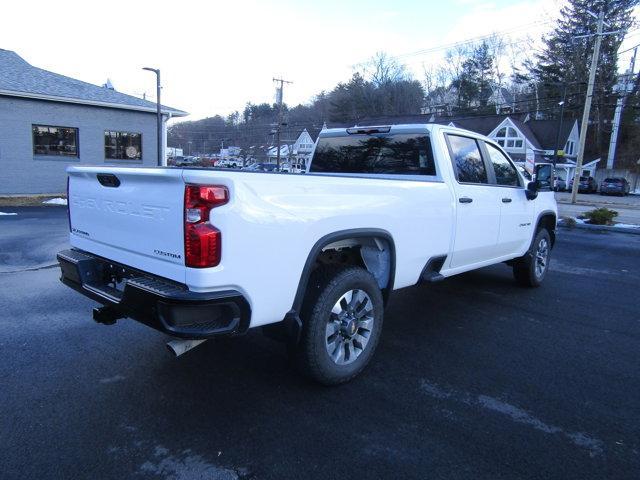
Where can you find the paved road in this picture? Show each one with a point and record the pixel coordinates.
(474, 378)
(31, 236)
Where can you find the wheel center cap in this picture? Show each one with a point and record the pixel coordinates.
(349, 327)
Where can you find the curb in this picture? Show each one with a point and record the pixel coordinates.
(601, 228)
(611, 205)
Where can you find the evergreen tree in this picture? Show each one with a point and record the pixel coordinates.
(474, 83)
(565, 60)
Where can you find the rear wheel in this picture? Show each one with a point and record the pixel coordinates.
(530, 270)
(341, 324)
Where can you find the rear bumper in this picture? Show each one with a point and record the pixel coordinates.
(155, 301)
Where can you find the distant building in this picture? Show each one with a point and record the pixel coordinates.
(229, 152)
(521, 136)
(49, 121)
(173, 152)
(272, 153)
(303, 148)
(503, 100)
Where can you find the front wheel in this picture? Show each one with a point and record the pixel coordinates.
(530, 270)
(341, 324)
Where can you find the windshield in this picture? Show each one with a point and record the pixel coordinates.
(404, 154)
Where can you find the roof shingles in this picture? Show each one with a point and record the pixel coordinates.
(19, 77)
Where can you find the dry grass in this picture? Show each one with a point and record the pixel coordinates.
(28, 200)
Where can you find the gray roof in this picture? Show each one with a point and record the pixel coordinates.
(547, 130)
(19, 78)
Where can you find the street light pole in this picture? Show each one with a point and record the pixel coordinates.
(555, 153)
(158, 113)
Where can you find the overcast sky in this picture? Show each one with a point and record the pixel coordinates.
(217, 55)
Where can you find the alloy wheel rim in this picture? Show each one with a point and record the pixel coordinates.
(349, 327)
(542, 257)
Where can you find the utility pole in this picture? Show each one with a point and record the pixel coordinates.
(625, 85)
(279, 126)
(587, 103)
(158, 114)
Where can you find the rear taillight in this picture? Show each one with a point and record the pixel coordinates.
(202, 241)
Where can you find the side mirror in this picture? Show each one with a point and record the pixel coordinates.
(532, 190)
(543, 177)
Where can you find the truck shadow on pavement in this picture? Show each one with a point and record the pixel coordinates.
(238, 404)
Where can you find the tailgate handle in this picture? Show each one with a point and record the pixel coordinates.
(108, 180)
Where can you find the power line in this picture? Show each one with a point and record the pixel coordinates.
(462, 42)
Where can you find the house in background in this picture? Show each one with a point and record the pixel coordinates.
(299, 152)
(272, 153)
(49, 121)
(503, 100)
(303, 148)
(524, 138)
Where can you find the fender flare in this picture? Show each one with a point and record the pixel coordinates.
(337, 236)
(547, 213)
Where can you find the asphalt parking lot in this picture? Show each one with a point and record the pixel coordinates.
(474, 378)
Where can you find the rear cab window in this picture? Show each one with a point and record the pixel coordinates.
(389, 153)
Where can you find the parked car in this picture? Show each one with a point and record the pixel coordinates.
(188, 161)
(174, 248)
(615, 186)
(559, 184)
(586, 185)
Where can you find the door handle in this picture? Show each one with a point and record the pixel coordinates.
(506, 200)
(465, 200)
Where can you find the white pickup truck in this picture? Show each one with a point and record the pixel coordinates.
(198, 252)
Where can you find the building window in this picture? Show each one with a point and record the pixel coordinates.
(62, 141)
(507, 137)
(122, 145)
(568, 150)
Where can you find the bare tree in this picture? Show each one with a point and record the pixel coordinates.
(383, 69)
(497, 51)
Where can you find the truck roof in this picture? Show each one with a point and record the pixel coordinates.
(398, 128)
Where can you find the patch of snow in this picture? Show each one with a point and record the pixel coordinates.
(189, 467)
(626, 225)
(512, 412)
(56, 201)
(115, 378)
(7, 213)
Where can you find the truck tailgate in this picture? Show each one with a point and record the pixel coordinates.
(130, 215)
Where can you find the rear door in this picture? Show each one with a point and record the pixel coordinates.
(132, 216)
(516, 212)
(478, 205)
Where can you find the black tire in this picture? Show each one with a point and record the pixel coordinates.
(526, 269)
(326, 288)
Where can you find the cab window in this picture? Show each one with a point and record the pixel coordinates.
(467, 160)
(506, 173)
